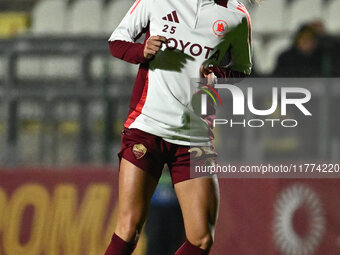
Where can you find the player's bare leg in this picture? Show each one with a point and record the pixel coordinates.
(135, 191)
(199, 201)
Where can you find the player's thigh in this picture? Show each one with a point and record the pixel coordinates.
(136, 187)
(199, 201)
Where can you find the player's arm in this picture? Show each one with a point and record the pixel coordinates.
(241, 48)
(232, 57)
(122, 41)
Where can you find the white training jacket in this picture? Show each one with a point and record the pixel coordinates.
(196, 30)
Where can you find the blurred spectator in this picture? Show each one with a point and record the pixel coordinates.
(313, 54)
(303, 59)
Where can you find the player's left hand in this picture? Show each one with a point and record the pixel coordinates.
(207, 73)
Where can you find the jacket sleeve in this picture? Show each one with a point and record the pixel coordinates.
(128, 51)
(241, 48)
(122, 40)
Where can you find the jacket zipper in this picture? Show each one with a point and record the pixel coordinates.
(199, 2)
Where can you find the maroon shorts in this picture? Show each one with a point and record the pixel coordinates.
(150, 153)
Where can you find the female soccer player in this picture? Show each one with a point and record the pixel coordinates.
(182, 38)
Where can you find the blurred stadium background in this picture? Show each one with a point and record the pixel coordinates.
(63, 101)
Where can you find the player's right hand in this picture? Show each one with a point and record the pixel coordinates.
(153, 45)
